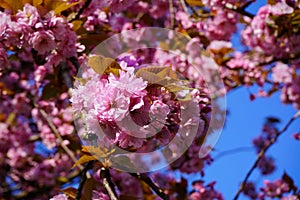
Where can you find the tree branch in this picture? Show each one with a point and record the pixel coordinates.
(108, 184)
(172, 14)
(262, 153)
(55, 131)
(240, 10)
(156, 189)
(83, 179)
(86, 4)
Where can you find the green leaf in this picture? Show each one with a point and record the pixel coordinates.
(37, 2)
(195, 2)
(123, 162)
(64, 6)
(70, 192)
(84, 159)
(103, 65)
(82, 81)
(272, 2)
(147, 75)
(11, 118)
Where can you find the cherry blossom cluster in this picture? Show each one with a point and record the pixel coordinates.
(42, 50)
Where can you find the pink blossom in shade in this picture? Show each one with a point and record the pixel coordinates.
(281, 8)
(40, 73)
(266, 165)
(291, 93)
(29, 15)
(18, 156)
(163, 180)
(125, 140)
(275, 189)
(97, 195)
(282, 73)
(159, 110)
(184, 19)
(3, 58)
(43, 41)
(59, 26)
(67, 47)
(129, 186)
(250, 190)
(195, 196)
(65, 129)
(159, 8)
(119, 5)
(4, 21)
(219, 45)
(221, 26)
(296, 136)
(17, 34)
(60, 197)
(290, 197)
(193, 47)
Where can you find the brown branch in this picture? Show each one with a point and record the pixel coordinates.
(83, 179)
(108, 184)
(65, 72)
(262, 153)
(60, 139)
(172, 14)
(240, 10)
(86, 4)
(156, 189)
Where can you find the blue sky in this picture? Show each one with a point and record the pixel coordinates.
(244, 123)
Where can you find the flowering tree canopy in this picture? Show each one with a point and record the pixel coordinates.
(107, 99)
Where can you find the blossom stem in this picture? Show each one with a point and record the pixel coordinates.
(83, 179)
(86, 4)
(147, 180)
(108, 184)
(262, 153)
(55, 131)
(172, 14)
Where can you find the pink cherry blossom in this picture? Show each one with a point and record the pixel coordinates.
(43, 41)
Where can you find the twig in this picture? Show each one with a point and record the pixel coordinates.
(75, 62)
(86, 4)
(240, 10)
(83, 179)
(55, 131)
(184, 6)
(262, 153)
(156, 189)
(172, 14)
(66, 75)
(108, 184)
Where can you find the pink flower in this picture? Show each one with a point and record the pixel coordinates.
(4, 21)
(282, 73)
(112, 104)
(184, 19)
(43, 41)
(29, 15)
(127, 82)
(281, 8)
(119, 5)
(58, 26)
(60, 197)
